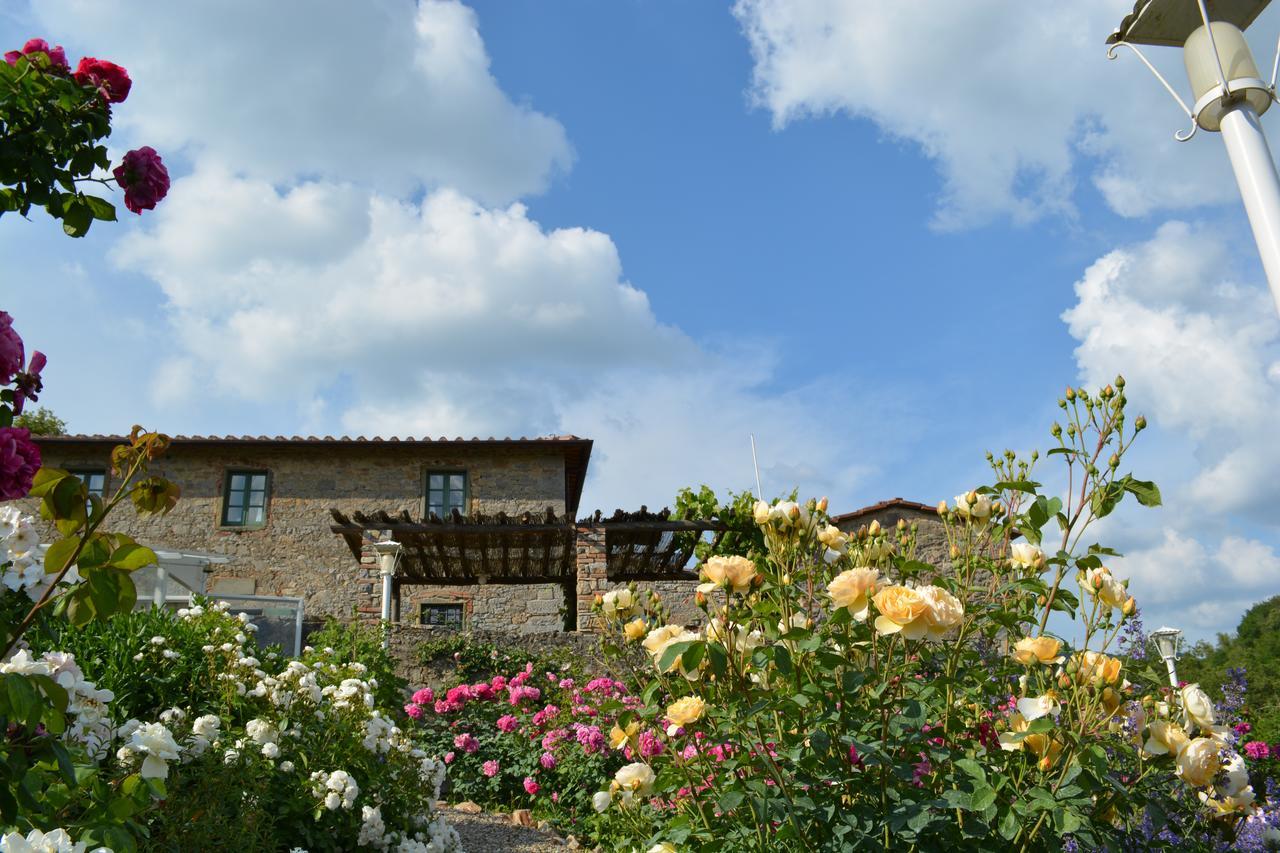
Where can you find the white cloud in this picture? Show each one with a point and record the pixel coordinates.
(388, 93)
(1196, 347)
(1013, 101)
(393, 291)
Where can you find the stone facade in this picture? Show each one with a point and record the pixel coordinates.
(296, 554)
(931, 535)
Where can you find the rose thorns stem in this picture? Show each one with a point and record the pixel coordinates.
(89, 531)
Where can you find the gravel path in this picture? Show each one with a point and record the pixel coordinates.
(493, 833)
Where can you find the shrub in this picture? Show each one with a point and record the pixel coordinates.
(536, 739)
(838, 700)
(360, 642)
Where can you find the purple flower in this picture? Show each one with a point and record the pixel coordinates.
(143, 177)
(28, 384)
(19, 461)
(11, 351)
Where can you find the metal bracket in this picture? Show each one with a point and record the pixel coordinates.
(1181, 135)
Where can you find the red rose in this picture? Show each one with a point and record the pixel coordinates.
(19, 461)
(143, 178)
(111, 81)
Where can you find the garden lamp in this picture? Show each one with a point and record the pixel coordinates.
(1166, 640)
(1228, 96)
(388, 552)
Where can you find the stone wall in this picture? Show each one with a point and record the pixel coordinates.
(514, 608)
(931, 535)
(405, 640)
(296, 554)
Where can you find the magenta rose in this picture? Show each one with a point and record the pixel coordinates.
(57, 56)
(143, 178)
(29, 383)
(19, 461)
(11, 351)
(111, 81)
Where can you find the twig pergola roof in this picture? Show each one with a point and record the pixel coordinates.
(527, 548)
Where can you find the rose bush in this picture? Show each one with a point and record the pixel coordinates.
(533, 739)
(53, 124)
(844, 695)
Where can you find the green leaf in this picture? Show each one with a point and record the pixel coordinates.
(59, 555)
(76, 219)
(134, 557)
(101, 208)
(973, 768)
(983, 796)
(24, 701)
(1147, 493)
(1027, 486)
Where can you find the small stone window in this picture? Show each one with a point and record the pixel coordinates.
(244, 499)
(441, 614)
(446, 491)
(94, 479)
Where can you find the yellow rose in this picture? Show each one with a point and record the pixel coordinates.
(1199, 761)
(1100, 583)
(736, 573)
(633, 780)
(1009, 741)
(634, 630)
(1046, 748)
(619, 603)
(684, 712)
(1030, 651)
(834, 538)
(943, 611)
(1198, 706)
(619, 737)
(851, 590)
(901, 610)
(1095, 665)
(659, 639)
(1026, 556)
(1165, 738)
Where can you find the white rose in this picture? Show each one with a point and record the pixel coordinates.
(1033, 708)
(1025, 556)
(1198, 706)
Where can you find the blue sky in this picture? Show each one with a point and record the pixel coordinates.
(872, 235)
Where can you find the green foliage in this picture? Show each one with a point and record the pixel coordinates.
(360, 642)
(52, 135)
(742, 537)
(833, 702)
(41, 421)
(460, 658)
(1254, 646)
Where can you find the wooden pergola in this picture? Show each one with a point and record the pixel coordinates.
(528, 548)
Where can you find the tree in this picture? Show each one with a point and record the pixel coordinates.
(1255, 646)
(42, 421)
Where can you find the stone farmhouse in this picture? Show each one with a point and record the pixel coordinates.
(486, 531)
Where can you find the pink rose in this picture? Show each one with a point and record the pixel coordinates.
(413, 710)
(508, 723)
(490, 768)
(530, 786)
(547, 760)
(467, 743)
(57, 56)
(19, 461)
(111, 81)
(448, 758)
(143, 178)
(424, 696)
(11, 350)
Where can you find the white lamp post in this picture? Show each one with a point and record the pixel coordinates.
(1166, 640)
(388, 552)
(1229, 95)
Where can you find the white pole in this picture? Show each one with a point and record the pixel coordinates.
(386, 568)
(162, 586)
(1259, 186)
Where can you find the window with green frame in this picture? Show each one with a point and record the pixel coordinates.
(94, 479)
(244, 498)
(446, 491)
